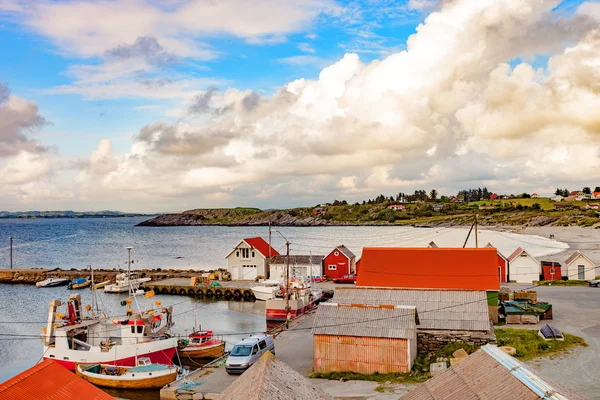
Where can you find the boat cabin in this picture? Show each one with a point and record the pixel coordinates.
(200, 337)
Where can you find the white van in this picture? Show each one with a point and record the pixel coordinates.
(247, 352)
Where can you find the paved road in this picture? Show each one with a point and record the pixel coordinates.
(576, 310)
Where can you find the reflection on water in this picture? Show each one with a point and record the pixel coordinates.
(24, 310)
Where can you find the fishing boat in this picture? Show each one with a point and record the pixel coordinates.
(125, 282)
(302, 298)
(53, 281)
(79, 283)
(76, 338)
(202, 344)
(101, 285)
(266, 289)
(145, 375)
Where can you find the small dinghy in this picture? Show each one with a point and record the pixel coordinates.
(202, 344)
(79, 283)
(143, 376)
(101, 284)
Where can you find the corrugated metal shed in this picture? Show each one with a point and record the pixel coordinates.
(437, 309)
(381, 322)
(49, 381)
(490, 373)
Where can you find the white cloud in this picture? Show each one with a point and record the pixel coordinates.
(305, 60)
(306, 48)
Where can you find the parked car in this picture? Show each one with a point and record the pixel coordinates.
(318, 279)
(247, 352)
(594, 283)
(351, 278)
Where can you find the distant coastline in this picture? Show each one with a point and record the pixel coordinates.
(69, 214)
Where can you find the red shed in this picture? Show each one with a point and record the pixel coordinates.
(502, 264)
(339, 262)
(551, 271)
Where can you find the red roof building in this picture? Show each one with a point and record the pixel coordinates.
(339, 262)
(493, 196)
(502, 264)
(49, 380)
(261, 246)
(249, 259)
(429, 268)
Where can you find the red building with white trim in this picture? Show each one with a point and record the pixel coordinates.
(339, 262)
(502, 264)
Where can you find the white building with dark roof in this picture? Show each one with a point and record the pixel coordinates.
(579, 267)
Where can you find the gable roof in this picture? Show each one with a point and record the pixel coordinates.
(345, 251)
(575, 193)
(49, 380)
(437, 309)
(491, 246)
(575, 255)
(517, 253)
(490, 373)
(379, 321)
(298, 259)
(259, 244)
(271, 379)
(429, 268)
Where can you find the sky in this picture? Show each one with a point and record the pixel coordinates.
(162, 106)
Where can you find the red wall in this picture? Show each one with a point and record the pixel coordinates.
(548, 277)
(502, 265)
(342, 263)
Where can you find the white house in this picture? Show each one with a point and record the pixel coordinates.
(300, 266)
(250, 259)
(579, 267)
(522, 267)
(535, 195)
(557, 197)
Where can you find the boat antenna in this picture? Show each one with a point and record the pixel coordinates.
(129, 270)
(94, 301)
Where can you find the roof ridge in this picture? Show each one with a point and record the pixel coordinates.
(25, 374)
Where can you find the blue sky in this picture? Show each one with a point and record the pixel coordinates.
(171, 105)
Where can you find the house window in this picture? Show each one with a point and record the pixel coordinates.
(332, 267)
(337, 253)
(252, 254)
(245, 253)
(523, 254)
(552, 272)
(237, 254)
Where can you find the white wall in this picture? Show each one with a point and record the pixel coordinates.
(572, 270)
(524, 269)
(277, 271)
(235, 263)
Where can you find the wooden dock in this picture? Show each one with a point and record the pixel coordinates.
(216, 292)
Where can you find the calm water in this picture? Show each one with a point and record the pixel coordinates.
(76, 243)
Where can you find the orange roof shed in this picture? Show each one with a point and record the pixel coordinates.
(49, 381)
(429, 268)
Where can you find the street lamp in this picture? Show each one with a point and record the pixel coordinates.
(287, 280)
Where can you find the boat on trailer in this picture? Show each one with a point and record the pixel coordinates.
(202, 345)
(145, 375)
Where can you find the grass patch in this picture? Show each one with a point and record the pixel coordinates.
(529, 345)
(409, 377)
(563, 283)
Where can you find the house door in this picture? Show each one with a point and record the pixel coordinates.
(235, 273)
(581, 272)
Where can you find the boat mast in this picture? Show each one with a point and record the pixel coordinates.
(129, 270)
(94, 300)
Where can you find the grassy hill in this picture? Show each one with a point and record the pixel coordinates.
(533, 212)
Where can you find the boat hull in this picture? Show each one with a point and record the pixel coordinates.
(275, 309)
(162, 356)
(80, 285)
(44, 284)
(129, 381)
(262, 296)
(200, 352)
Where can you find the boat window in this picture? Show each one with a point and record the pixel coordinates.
(262, 344)
(195, 340)
(132, 329)
(241, 351)
(140, 329)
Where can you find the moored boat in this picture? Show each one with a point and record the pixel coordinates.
(302, 298)
(202, 344)
(53, 281)
(125, 282)
(145, 375)
(266, 289)
(75, 338)
(79, 283)
(101, 285)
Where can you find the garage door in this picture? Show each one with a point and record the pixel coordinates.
(248, 272)
(234, 273)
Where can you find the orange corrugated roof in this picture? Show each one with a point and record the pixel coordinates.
(49, 381)
(429, 268)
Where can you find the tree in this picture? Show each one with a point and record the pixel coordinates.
(558, 192)
(565, 192)
(586, 190)
(444, 199)
(597, 189)
(433, 194)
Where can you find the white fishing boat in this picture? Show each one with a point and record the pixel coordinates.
(266, 289)
(50, 282)
(302, 298)
(125, 282)
(77, 339)
(145, 375)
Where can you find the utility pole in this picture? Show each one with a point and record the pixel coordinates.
(476, 235)
(269, 239)
(287, 284)
(11, 258)
(129, 269)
